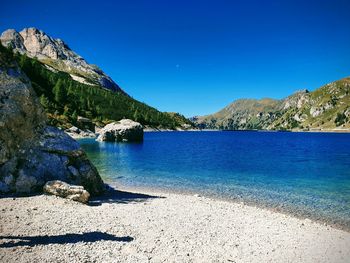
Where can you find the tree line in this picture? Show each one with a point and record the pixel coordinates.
(64, 99)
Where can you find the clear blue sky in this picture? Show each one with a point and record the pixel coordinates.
(195, 57)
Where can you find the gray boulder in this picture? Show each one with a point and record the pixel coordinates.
(32, 153)
(122, 131)
(64, 190)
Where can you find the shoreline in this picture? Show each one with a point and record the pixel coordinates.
(217, 130)
(150, 226)
(216, 197)
(89, 136)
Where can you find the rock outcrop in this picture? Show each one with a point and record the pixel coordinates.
(122, 131)
(57, 55)
(64, 190)
(32, 153)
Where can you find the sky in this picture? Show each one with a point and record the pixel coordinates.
(195, 57)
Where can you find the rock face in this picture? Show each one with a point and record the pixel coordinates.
(56, 54)
(123, 131)
(62, 189)
(32, 153)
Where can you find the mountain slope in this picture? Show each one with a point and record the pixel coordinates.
(325, 108)
(241, 114)
(56, 55)
(64, 98)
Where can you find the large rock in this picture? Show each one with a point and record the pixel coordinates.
(32, 153)
(122, 131)
(62, 189)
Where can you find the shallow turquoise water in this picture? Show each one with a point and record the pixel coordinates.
(307, 174)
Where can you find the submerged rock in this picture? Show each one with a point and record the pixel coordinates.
(62, 189)
(122, 131)
(32, 153)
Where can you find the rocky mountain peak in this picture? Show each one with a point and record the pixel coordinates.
(56, 54)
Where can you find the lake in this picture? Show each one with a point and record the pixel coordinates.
(307, 174)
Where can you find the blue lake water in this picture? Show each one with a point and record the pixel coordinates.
(307, 174)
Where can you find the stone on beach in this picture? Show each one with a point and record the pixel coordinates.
(75, 133)
(124, 130)
(62, 189)
(73, 129)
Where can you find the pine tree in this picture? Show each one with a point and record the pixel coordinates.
(44, 101)
(75, 116)
(66, 111)
(136, 115)
(59, 92)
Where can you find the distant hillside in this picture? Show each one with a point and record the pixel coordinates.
(65, 98)
(325, 108)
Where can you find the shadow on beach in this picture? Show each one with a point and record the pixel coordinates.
(62, 239)
(115, 196)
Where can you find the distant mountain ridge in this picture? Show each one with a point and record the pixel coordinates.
(56, 55)
(325, 108)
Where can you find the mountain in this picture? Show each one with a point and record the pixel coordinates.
(326, 108)
(56, 55)
(69, 87)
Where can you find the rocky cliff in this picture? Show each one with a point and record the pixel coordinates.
(32, 153)
(56, 55)
(325, 108)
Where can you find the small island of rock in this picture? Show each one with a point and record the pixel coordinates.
(122, 131)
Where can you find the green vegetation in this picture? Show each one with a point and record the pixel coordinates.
(64, 98)
(340, 119)
(325, 108)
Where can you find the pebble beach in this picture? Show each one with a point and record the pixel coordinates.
(129, 226)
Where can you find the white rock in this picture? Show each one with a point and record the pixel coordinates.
(62, 189)
(123, 130)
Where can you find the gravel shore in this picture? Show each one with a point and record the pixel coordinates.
(160, 227)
